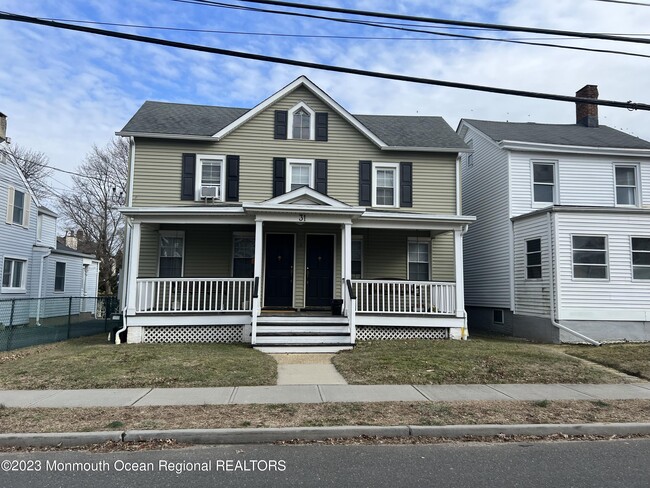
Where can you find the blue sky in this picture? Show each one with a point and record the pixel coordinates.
(64, 91)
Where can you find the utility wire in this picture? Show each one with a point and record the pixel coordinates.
(13, 156)
(393, 27)
(433, 20)
(625, 2)
(305, 64)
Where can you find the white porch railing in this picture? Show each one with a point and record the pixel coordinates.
(407, 297)
(173, 295)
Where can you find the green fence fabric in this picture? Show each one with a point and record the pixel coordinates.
(28, 322)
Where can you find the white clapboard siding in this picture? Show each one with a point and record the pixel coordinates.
(584, 180)
(619, 297)
(532, 297)
(487, 252)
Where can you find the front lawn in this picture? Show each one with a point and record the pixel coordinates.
(478, 360)
(632, 359)
(91, 362)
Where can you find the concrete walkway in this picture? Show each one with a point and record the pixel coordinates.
(304, 369)
(138, 397)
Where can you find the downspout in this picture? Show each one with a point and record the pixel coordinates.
(40, 287)
(552, 290)
(126, 263)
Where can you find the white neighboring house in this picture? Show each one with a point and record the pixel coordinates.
(33, 265)
(561, 248)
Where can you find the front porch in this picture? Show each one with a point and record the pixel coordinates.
(269, 274)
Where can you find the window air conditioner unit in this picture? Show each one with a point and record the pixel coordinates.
(210, 192)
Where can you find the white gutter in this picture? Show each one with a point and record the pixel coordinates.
(552, 292)
(40, 287)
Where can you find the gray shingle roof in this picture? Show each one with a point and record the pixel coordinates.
(412, 131)
(181, 119)
(559, 134)
(204, 120)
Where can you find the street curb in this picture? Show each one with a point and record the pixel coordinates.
(63, 439)
(267, 435)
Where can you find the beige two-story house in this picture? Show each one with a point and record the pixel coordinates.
(293, 225)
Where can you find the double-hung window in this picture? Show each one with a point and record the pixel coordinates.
(302, 122)
(212, 177)
(589, 257)
(418, 260)
(243, 256)
(59, 277)
(626, 188)
(172, 245)
(19, 207)
(543, 182)
(14, 274)
(385, 191)
(301, 173)
(641, 258)
(533, 259)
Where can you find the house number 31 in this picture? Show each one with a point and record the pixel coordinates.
(302, 217)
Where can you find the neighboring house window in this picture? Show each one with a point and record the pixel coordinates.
(212, 177)
(19, 207)
(543, 182)
(533, 259)
(243, 256)
(626, 189)
(59, 277)
(171, 254)
(14, 273)
(589, 257)
(641, 258)
(497, 316)
(385, 187)
(357, 258)
(301, 173)
(301, 122)
(470, 155)
(418, 260)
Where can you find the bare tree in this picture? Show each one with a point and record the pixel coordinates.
(91, 206)
(34, 165)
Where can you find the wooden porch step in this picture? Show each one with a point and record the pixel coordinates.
(303, 340)
(261, 320)
(310, 349)
(302, 329)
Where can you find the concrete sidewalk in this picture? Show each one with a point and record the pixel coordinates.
(138, 397)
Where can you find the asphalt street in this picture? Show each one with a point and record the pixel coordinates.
(614, 463)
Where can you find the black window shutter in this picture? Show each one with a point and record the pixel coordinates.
(365, 183)
(187, 177)
(279, 177)
(321, 126)
(280, 125)
(406, 184)
(232, 178)
(321, 176)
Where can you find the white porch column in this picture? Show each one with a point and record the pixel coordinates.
(134, 264)
(460, 282)
(259, 247)
(347, 246)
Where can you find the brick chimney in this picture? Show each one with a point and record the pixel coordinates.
(587, 113)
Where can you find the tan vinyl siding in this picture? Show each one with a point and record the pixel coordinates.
(157, 173)
(442, 258)
(149, 242)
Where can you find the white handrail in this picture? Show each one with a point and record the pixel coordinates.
(405, 297)
(173, 295)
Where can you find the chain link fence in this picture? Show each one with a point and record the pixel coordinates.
(30, 321)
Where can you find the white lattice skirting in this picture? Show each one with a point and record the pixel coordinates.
(387, 333)
(193, 333)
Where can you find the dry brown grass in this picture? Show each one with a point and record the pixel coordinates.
(14, 420)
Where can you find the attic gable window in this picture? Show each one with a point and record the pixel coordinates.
(301, 122)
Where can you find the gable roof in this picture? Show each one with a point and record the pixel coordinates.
(558, 134)
(174, 120)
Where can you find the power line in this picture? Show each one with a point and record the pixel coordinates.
(461, 37)
(394, 27)
(625, 2)
(11, 155)
(305, 64)
(433, 20)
